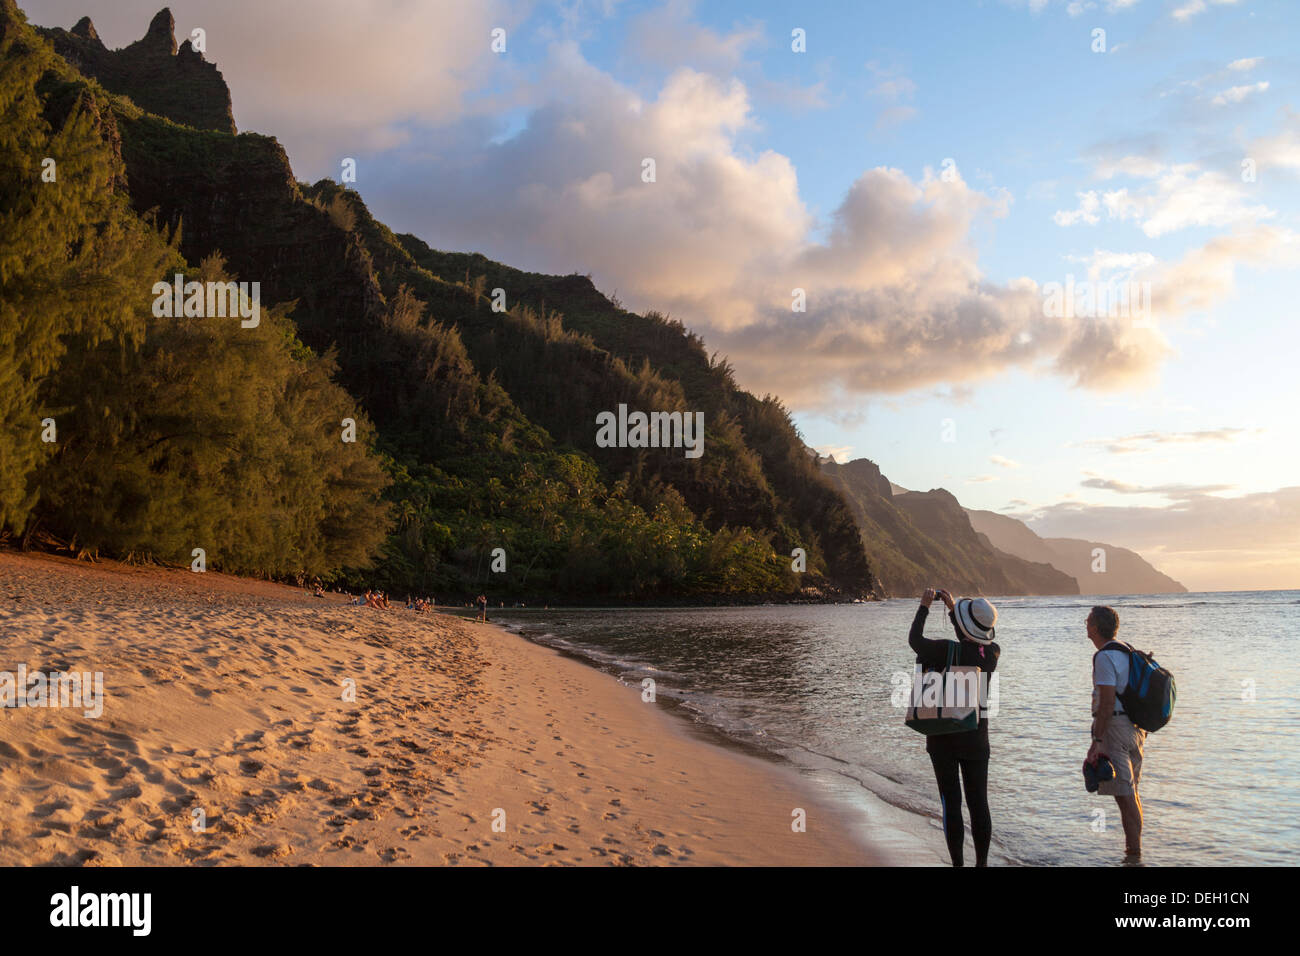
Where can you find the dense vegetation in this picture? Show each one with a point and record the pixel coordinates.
(183, 433)
(132, 435)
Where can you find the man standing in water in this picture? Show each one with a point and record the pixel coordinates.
(1113, 734)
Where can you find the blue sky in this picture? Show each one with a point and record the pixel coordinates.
(828, 170)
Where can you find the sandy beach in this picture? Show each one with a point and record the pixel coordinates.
(226, 738)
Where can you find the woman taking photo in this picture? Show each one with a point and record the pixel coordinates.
(963, 757)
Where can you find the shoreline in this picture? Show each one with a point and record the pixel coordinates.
(222, 700)
(743, 798)
(917, 834)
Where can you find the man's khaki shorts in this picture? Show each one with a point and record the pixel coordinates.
(1123, 745)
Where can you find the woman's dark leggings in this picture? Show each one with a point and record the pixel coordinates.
(974, 772)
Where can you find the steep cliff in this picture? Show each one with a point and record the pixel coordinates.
(924, 539)
(1098, 567)
(941, 517)
(1107, 569)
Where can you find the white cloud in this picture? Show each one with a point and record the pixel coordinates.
(895, 116)
(1120, 205)
(1206, 275)
(1105, 265)
(892, 89)
(1185, 196)
(1175, 196)
(895, 297)
(1003, 462)
(669, 36)
(1194, 8)
(1146, 441)
(1076, 8)
(840, 453)
(1085, 213)
(1176, 492)
(1139, 167)
(1237, 94)
(1278, 152)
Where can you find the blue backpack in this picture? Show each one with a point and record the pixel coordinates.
(1149, 698)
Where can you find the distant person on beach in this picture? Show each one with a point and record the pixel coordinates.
(482, 607)
(1113, 734)
(961, 758)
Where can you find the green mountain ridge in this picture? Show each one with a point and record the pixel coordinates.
(925, 539)
(484, 420)
(476, 427)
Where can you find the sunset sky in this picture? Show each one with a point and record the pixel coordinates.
(922, 171)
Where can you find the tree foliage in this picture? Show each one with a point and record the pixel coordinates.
(169, 433)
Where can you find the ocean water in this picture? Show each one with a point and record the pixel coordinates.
(1220, 783)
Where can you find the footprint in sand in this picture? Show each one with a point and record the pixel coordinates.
(272, 851)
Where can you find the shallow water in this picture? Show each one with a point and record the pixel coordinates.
(1220, 783)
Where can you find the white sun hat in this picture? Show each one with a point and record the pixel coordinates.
(976, 617)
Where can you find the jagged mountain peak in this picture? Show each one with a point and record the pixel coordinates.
(862, 470)
(161, 34)
(86, 30)
(943, 494)
(153, 72)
